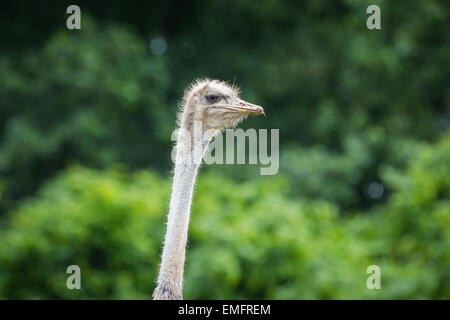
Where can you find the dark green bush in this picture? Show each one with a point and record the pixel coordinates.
(93, 96)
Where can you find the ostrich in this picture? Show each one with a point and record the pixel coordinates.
(207, 107)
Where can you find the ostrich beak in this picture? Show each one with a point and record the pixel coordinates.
(245, 107)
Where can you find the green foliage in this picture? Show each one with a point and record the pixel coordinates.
(251, 242)
(98, 96)
(353, 107)
(320, 173)
(88, 96)
(418, 227)
(110, 224)
(247, 241)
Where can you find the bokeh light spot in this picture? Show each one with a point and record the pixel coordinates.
(158, 46)
(375, 190)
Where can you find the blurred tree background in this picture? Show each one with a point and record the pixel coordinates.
(86, 118)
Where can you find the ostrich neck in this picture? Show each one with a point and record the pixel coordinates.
(173, 256)
(170, 276)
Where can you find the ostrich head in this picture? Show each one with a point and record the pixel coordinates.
(216, 104)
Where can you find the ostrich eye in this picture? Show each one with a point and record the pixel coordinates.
(212, 98)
